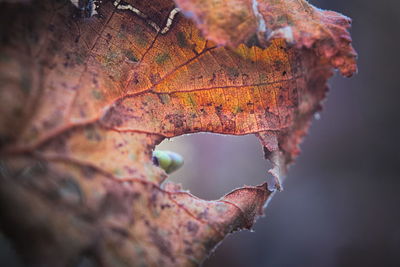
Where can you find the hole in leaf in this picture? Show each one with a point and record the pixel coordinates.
(216, 164)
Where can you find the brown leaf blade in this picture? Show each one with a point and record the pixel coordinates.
(260, 21)
(86, 100)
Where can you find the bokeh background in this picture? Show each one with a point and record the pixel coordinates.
(341, 200)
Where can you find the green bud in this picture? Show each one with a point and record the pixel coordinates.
(167, 160)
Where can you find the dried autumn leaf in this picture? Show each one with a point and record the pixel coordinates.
(303, 26)
(260, 21)
(85, 101)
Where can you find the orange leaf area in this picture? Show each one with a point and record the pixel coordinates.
(86, 100)
(260, 21)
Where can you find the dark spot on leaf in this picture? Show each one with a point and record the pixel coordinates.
(165, 206)
(70, 191)
(192, 227)
(164, 98)
(161, 58)
(253, 41)
(175, 119)
(154, 78)
(188, 251)
(88, 172)
(120, 231)
(212, 80)
(218, 109)
(129, 54)
(180, 36)
(163, 245)
(278, 64)
(108, 37)
(92, 134)
(135, 78)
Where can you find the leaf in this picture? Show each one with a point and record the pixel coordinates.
(86, 100)
(312, 31)
(260, 21)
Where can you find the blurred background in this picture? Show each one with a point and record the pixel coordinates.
(341, 201)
